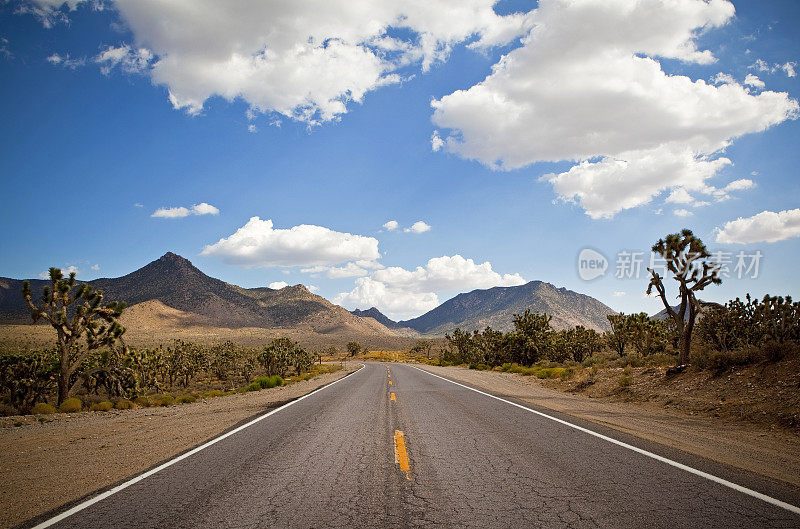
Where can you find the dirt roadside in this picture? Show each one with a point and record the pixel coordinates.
(43, 466)
(768, 452)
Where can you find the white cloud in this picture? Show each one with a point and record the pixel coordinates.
(95, 267)
(252, 128)
(391, 225)
(418, 227)
(138, 205)
(446, 273)
(257, 243)
(127, 59)
(202, 208)
(436, 141)
(619, 294)
(337, 272)
(767, 226)
(66, 61)
(739, 185)
(396, 304)
(277, 285)
(788, 68)
(587, 86)
(679, 196)
(723, 78)
(683, 213)
(402, 293)
(305, 60)
(754, 81)
(312, 288)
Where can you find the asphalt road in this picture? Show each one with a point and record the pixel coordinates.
(438, 454)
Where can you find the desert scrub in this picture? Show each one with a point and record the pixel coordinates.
(164, 399)
(186, 399)
(124, 404)
(71, 405)
(212, 394)
(7, 410)
(42, 408)
(269, 382)
(102, 406)
(143, 402)
(625, 381)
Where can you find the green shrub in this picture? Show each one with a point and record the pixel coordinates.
(42, 408)
(101, 406)
(6, 410)
(162, 400)
(186, 399)
(254, 386)
(124, 404)
(625, 381)
(143, 402)
(71, 405)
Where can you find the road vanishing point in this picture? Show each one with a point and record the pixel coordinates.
(424, 451)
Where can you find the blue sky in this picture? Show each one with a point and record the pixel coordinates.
(92, 146)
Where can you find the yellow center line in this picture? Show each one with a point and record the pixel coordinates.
(400, 454)
(390, 382)
(393, 396)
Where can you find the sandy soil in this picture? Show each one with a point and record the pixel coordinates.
(46, 465)
(770, 452)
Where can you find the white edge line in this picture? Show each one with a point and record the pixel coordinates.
(706, 475)
(140, 477)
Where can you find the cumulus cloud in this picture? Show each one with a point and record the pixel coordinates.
(390, 225)
(436, 141)
(202, 208)
(403, 293)
(767, 226)
(683, 213)
(96, 267)
(754, 81)
(418, 227)
(337, 272)
(127, 59)
(619, 294)
(277, 285)
(67, 270)
(394, 303)
(587, 86)
(762, 66)
(258, 243)
(305, 60)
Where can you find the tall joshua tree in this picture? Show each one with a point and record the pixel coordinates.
(91, 318)
(687, 258)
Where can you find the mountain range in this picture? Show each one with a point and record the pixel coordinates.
(171, 292)
(495, 307)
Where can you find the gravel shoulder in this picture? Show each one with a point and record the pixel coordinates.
(44, 466)
(768, 452)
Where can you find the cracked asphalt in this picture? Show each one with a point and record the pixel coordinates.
(330, 461)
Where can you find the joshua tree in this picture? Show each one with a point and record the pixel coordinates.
(687, 258)
(91, 318)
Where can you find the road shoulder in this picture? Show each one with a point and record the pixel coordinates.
(771, 453)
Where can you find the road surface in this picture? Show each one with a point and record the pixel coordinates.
(393, 446)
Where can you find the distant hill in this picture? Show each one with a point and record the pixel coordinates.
(495, 307)
(377, 315)
(172, 290)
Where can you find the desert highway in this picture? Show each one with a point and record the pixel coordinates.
(393, 446)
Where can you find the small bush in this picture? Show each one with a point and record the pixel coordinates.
(6, 410)
(143, 402)
(162, 400)
(42, 408)
(186, 399)
(625, 381)
(102, 406)
(124, 405)
(212, 394)
(254, 386)
(71, 405)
